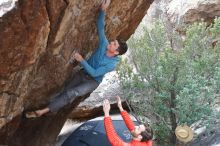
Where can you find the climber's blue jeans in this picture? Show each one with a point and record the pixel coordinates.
(80, 85)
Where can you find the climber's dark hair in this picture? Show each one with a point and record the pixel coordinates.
(123, 47)
(147, 134)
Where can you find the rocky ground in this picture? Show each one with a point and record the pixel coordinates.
(211, 138)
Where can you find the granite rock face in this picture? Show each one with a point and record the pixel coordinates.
(180, 12)
(37, 38)
(193, 11)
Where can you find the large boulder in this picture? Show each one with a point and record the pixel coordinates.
(92, 106)
(37, 38)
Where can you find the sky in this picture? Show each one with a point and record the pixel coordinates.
(6, 5)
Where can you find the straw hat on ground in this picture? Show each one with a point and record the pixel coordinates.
(184, 133)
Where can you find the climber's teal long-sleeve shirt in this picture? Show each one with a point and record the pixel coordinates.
(99, 63)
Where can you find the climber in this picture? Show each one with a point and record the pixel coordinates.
(102, 61)
(142, 134)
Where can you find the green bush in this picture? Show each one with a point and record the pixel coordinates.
(173, 85)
